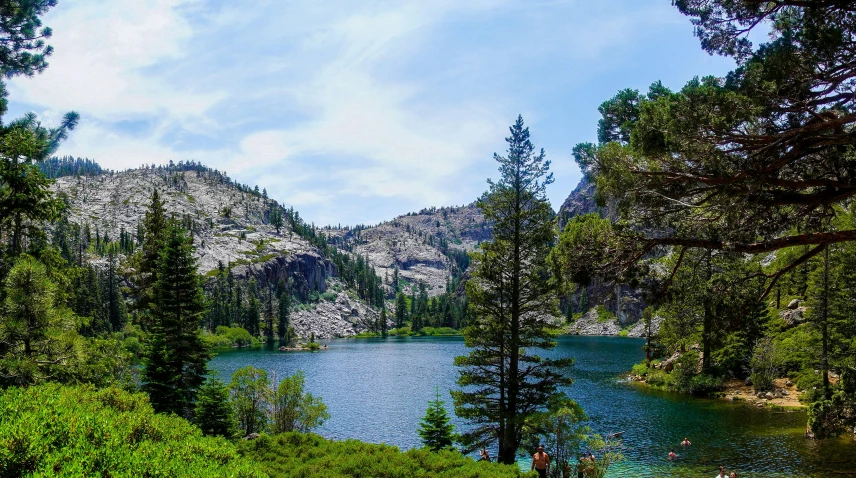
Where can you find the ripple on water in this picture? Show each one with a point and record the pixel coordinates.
(376, 390)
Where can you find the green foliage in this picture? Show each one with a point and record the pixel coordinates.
(311, 456)
(765, 364)
(250, 390)
(435, 429)
(53, 430)
(234, 336)
(175, 355)
(38, 335)
(512, 299)
(214, 414)
(293, 409)
(560, 430)
(640, 369)
(604, 315)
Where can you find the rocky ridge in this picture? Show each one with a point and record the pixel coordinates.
(229, 226)
(420, 244)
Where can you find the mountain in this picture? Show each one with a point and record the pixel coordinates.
(622, 301)
(231, 225)
(428, 247)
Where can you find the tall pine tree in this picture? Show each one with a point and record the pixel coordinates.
(175, 356)
(512, 300)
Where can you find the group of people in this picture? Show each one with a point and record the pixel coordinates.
(541, 464)
(722, 471)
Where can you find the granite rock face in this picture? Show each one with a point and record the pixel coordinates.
(421, 245)
(589, 324)
(342, 317)
(229, 227)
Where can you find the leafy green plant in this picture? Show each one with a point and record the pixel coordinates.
(55, 430)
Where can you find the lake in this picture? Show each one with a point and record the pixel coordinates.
(376, 390)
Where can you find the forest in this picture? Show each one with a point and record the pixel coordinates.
(733, 215)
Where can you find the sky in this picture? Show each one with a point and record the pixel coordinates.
(353, 112)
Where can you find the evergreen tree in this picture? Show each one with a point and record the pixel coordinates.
(37, 334)
(284, 296)
(214, 414)
(175, 356)
(148, 258)
(382, 323)
(512, 300)
(276, 218)
(400, 310)
(435, 429)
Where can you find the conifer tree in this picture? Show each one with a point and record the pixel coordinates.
(512, 300)
(148, 256)
(400, 310)
(284, 296)
(435, 429)
(175, 355)
(214, 414)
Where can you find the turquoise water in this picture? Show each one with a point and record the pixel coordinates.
(376, 390)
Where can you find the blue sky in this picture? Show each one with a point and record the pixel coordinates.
(351, 111)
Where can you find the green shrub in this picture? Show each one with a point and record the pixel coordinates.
(52, 430)
(705, 384)
(237, 336)
(640, 369)
(329, 296)
(603, 315)
(438, 331)
(311, 456)
(659, 378)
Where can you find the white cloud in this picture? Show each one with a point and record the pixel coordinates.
(353, 111)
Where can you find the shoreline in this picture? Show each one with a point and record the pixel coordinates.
(738, 391)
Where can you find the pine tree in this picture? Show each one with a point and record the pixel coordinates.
(214, 414)
(512, 300)
(435, 429)
(400, 310)
(284, 296)
(148, 257)
(382, 323)
(175, 355)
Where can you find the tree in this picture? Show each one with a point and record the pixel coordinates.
(754, 162)
(400, 310)
(276, 218)
(250, 389)
(382, 322)
(560, 429)
(435, 429)
(23, 49)
(284, 297)
(214, 414)
(292, 409)
(175, 356)
(37, 334)
(512, 303)
(155, 227)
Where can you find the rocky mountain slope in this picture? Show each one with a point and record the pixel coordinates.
(229, 226)
(425, 246)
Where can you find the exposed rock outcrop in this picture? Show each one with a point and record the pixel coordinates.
(342, 317)
(589, 324)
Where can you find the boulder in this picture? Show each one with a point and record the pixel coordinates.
(794, 304)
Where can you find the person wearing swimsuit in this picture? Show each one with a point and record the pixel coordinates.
(541, 462)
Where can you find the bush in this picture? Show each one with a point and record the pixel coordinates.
(659, 378)
(236, 336)
(51, 430)
(437, 331)
(640, 369)
(765, 364)
(329, 296)
(603, 315)
(311, 456)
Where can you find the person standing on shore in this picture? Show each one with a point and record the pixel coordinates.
(541, 462)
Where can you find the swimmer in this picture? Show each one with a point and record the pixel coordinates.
(686, 442)
(672, 455)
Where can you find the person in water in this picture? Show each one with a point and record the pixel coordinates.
(672, 454)
(733, 474)
(722, 473)
(541, 462)
(686, 442)
(484, 455)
